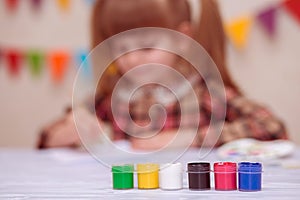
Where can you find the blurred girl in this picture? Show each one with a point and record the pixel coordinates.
(244, 118)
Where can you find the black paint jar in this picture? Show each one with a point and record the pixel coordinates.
(199, 176)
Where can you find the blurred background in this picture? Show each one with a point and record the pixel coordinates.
(42, 44)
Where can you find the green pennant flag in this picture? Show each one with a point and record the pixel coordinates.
(36, 61)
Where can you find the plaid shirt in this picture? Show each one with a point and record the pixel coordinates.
(244, 118)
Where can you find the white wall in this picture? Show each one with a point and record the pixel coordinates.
(266, 70)
(29, 103)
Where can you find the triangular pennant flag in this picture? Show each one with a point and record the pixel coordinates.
(59, 62)
(35, 60)
(294, 7)
(238, 31)
(268, 19)
(63, 4)
(12, 4)
(1, 54)
(90, 2)
(13, 59)
(84, 63)
(36, 4)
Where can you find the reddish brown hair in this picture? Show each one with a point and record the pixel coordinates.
(114, 16)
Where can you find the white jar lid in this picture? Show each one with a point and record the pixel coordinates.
(170, 176)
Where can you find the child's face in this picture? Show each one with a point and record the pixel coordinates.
(146, 57)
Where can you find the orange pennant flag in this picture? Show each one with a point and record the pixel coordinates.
(63, 4)
(238, 31)
(59, 62)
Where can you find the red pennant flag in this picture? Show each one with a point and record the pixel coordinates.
(0, 55)
(59, 62)
(13, 59)
(268, 19)
(12, 4)
(294, 7)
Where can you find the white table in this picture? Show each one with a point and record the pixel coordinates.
(63, 173)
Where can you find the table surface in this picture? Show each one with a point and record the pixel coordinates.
(64, 173)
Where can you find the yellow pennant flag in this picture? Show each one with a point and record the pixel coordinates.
(238, 31)
(63, 4)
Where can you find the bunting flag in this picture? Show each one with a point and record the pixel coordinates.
(84, 62)
(36, 4)
(63, 4)
(1, 55)
(238, 31)
(294, 7)
(13, 61)
(12, 4)
(36, 61)
(59, 62)
(268, 20)
(90, 2)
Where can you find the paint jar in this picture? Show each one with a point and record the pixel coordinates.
(147, 176)
(199, 176)
(225, 175)
(249, 176)
(122, 176)
(170, 176)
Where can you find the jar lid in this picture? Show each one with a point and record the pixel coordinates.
(147, 168)
(225, 167)
(250, 167)
(127, 168)
(171, 167)
(199, 167)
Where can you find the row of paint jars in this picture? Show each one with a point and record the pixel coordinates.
(170, 176)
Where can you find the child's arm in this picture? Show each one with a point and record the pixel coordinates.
(169, 137)
(246, 118)
(251, 120)
(61, 133)
(64, 133)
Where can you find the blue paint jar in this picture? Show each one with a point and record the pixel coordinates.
(249, 176)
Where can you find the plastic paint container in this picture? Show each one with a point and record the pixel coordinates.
(170, 176)
(250, 176)
(122, 176)
(147, 176)
(225, 175)
(199, 176)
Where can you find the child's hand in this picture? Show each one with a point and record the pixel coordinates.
(60, 134)
(63, 133)
(168, 139)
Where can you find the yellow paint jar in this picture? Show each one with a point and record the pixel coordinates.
(147, 176)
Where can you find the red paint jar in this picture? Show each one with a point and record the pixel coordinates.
(225, 176)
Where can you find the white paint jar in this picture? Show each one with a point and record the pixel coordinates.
(170, 176)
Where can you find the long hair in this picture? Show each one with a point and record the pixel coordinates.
(110, 17)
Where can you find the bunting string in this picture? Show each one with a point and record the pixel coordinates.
(237, 31)
(63, 5)
(58, 62)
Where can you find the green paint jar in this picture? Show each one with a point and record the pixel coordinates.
(122, 176)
